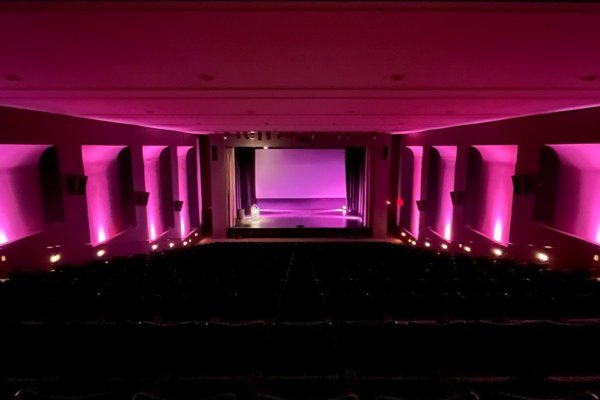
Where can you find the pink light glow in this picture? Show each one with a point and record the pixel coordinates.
(152, 231)
(3, 238)
(184, 214)
(103, 200)
(101, 235)
(416, 188)
(578, 192)
(446, 185)
(448, 231)
(498, 231)
(151, 155)
(496, 208)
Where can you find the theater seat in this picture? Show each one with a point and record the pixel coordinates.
(465, 396)
(579, 396)
(221, 396)
(262, 396)
(27, 394)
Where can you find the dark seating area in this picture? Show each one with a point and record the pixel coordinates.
(307, 320)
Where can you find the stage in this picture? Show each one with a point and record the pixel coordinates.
(300, 218)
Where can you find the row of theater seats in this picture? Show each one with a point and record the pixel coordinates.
(300, 321)
(300, 281)
(324, 387)
(105, 349)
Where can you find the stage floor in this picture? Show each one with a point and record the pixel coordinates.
(305, 213)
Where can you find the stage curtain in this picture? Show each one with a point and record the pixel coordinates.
(231, 192)
(356, 180)
(245, 178)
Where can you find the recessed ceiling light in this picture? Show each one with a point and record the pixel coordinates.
(589, 78)
(12, 77)
(397, 77)
(206, 77)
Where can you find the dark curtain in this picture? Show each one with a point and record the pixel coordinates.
(355, 179)
(245, 179)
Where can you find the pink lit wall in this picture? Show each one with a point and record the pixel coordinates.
(443, 224)
(151, 156)
(416, 188)
(497, 191)
(21, 202)
(102, 191)
(182, 177)
(578, 191)
(300, 174)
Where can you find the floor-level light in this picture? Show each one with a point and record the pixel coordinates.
(467, 249)
(444, 246)
(497, 252)
(100, 253)
(542, 257)
(154, 246)
(54, 258)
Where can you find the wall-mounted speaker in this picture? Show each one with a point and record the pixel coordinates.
(178, 205)
(421, 204)
(523, 184)
(457, 197)
(76, 184)
(141, 198)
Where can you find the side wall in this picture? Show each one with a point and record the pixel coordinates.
(530, 134)
(70, 237)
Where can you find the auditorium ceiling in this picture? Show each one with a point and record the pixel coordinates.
(328, 66)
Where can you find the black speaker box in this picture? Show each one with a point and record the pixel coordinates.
(141, 198)
(523, 184)
(178, 205)
(76, 184)
(457, 197)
